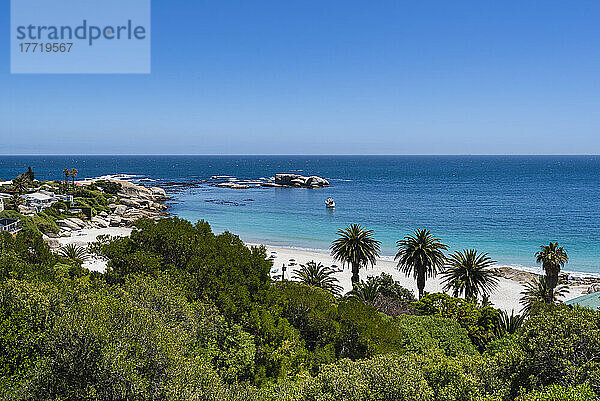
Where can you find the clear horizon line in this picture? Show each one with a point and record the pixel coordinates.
(297, 154)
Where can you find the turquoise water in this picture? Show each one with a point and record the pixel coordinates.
(504, 205)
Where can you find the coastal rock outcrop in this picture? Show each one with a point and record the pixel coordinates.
(300, 181)
(232, 185)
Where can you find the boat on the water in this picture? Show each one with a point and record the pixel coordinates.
(330, 203)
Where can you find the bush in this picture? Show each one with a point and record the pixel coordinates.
(109, 187)
(561, 344)
(479, 321)
(422, 333)
(560, 393)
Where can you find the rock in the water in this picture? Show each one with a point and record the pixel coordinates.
(318, 181)
(296, 180)
(159, 193)
(232, 185)
(593, 289)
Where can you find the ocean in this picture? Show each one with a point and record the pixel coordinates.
(504, 205)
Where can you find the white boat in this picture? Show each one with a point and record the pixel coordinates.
(330, 203)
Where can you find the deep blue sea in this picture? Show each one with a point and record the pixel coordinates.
(504, 205)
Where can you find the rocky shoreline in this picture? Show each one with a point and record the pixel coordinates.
(524, 277)
(133, 202)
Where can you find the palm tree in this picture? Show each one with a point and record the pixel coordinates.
(19, 184)
(74, 252)
(67, 173)
(356, 247)
(73, 175)
(553, 258)
(366, 291)
(15, 201)
(508, 324)
(422, 255)
(317, 275)
(467, 273)
(537, 291)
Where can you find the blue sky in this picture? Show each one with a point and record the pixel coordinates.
(315, 77)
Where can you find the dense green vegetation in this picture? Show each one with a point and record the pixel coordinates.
(183, 314)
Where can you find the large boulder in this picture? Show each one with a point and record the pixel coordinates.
(314, 180)
(130, 202)
(296, 180)
(285, 179)
(100, 222)
(67, 224)
(133, 190)
(120, 209)
(80, 223)
(159, 193)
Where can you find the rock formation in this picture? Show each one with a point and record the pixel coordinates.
(300, 181)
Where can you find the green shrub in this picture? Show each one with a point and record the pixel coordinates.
(561, 344)
(560, 393)
(422, 333)
(479, 321)
(109, 187)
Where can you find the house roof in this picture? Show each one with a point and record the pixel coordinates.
(39, 196)
(591, 301)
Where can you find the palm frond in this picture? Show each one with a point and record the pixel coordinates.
(317, 275)
(420, 254)
(357, 247)
(508, 324)
(74, 252)
(467, 272)
(537, 291)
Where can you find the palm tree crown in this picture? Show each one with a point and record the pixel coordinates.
(356, 247)
(422, 255)
(317, 275)
(74, 252)
(537, 291)
(19, 184)
(67, 173)
(552, 257)
(73, 175)
(366, 291)
(467, 273)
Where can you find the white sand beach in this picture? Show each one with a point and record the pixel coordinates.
(506, 297)
(86, 236)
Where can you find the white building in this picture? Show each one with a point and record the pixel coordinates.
(40, 200)
(3, 200)
(9, 225)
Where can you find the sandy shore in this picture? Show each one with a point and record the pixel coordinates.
(506, 297)
(86, 236)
